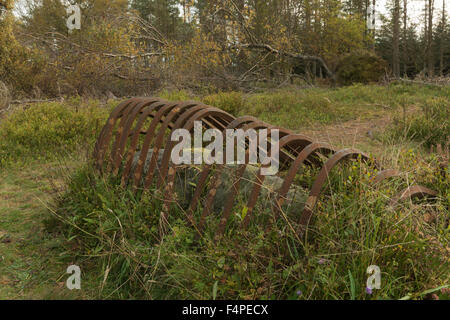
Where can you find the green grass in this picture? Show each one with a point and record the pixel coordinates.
(32, 262)
(297, 109)
(57, 211)
(49, 131)
(431, 127)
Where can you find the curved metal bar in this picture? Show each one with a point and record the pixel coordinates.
(241, 121)
(163, 167)
(262, 125)
(412, 192)
(116, 113)
(308, 151)
(187, 122)
(150, 134)
(105, 135)
(161, 109)
(117, 154)
(301, 141)
(235, 187)
(208, 112)
(207, 168)
(294, 150)
(259, 180)
(322, 177)
(216, 178)
(385, 174)
(119, 130)
(185, 108)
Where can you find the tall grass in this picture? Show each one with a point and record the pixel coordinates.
(353, 227)
(429, 126)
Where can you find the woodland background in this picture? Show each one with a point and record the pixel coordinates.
(134, 47)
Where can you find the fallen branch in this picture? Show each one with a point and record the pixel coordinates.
(34, 101)
(117, 75)
(149, 54)
(291, 55)
(440, 82)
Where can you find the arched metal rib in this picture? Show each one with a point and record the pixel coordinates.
(412, 192)
(106, 133)
(321, 179)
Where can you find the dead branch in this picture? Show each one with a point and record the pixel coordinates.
(291, 55)
(26, 101)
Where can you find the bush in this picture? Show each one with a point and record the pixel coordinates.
(20, 66)
(48, 129)
(231, 102)
(360, 67)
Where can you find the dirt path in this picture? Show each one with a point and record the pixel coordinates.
(350, 133)
(359, 132)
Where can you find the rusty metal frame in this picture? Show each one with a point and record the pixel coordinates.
(125, 126)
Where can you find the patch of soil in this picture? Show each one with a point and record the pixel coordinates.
(349, 133)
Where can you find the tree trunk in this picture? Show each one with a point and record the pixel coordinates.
(425, 37)
(373, 22)
(395, 53)
(441, 45)
(430, 39)
(405, 40)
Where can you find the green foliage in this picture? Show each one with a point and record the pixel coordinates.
(231, 102)
(140, 46)
(119, 234)
(178, 95)
(19, 66)
(4, 96)
(162, 14)
(47, 16)
(47, 130)
(100, 57)
(360, 67)
(115, 236)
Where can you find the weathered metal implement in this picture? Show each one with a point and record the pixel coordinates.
(135, 144)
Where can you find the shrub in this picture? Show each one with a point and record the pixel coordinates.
(19, 66)
(47, 130)
(360, 67)
(231, 102)
(174, 95)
